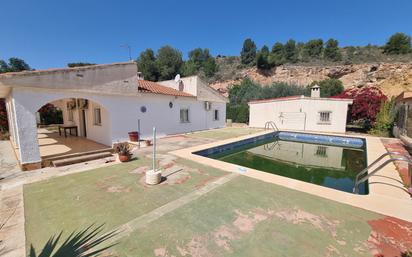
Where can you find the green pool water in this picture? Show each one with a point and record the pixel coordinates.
(329, 166)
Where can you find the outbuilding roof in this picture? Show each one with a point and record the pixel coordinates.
(146, 86)
(403, 96)
(298, 97)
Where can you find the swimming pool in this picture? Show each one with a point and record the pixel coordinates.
(329, 161)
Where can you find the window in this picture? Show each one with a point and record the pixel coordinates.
(70, 115)
(321, 151)
(216, 115)
(324, 117)
(97, 117)
(184, 115)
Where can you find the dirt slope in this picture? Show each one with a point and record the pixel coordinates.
(392, 78)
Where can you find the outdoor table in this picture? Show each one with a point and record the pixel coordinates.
(65, 128)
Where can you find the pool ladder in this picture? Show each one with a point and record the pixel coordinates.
(271, 124)
(395, 156)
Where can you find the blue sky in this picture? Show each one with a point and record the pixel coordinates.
(51, 33)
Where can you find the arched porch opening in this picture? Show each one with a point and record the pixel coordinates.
(71, 127)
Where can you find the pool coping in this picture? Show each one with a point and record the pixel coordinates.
(387, 195)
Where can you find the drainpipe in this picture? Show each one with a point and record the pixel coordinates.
(154, 148)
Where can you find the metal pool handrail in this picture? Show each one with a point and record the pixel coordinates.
(392, 159)
(271, 124)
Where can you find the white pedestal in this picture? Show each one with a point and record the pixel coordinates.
(153, 177)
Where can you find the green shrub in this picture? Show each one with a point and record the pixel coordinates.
(247, 90)
(398, 43)
(384, 120)
(238, 112)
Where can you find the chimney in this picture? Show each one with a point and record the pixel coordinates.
(140, 76)
(315, 91)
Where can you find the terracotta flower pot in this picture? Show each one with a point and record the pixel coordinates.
(134, 136)
(124, 158)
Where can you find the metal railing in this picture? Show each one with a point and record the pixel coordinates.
(271, 124)
(400, 157)
(270, 146)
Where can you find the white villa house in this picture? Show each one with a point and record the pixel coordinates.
(105, 102)
(312, 113)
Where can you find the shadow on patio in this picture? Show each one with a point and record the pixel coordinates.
(53, 145)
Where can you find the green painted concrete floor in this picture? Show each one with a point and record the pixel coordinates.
(224, 133)
(243, 217)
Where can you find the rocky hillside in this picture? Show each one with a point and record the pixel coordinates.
(392, 78)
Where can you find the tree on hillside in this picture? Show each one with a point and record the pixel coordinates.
(276, 55)
(169, 62)
(146, 64)
(79, 64)
(239, 96)
(14, 65)
(244, 92)
(281, 90)
(248, 53)
(210, 67)
(290, 52)
(200, 60)
(331, 51)
(313, 48)
(262, 58)
(328, 87)
(398, 43)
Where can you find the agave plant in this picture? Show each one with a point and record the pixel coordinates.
(79, 244)
(123, 149)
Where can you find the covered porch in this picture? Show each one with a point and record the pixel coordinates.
(53, 146)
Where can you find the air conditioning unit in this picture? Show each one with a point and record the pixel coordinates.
(208, 106)
(71, 104)
(82, 103)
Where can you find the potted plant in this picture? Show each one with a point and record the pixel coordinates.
(124, 152)
(134, 136)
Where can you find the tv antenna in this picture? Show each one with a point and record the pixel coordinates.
(177, 78)
(129, 49)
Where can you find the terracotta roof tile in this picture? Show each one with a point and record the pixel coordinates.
(146, 86)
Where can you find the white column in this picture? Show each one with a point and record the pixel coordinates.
(26, 130)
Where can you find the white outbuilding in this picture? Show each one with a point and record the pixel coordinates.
(313, 113)
(102, 103)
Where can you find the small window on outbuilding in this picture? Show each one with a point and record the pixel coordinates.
(216, 115)
(325, 117)
(97, 116)
(184, 115)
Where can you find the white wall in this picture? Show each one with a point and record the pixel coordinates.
(300, 114)
(189, 84)
(98, 133)
(159, 114)
(119, 116)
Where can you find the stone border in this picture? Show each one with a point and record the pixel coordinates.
(386, 193)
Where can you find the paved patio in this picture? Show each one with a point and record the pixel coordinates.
(51, 144)
(8, 161)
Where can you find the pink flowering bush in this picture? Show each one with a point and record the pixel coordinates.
(366, 103)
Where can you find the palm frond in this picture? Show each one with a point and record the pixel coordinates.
(77, 244)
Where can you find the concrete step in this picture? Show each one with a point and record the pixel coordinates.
(46, 162)
(81, 158)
